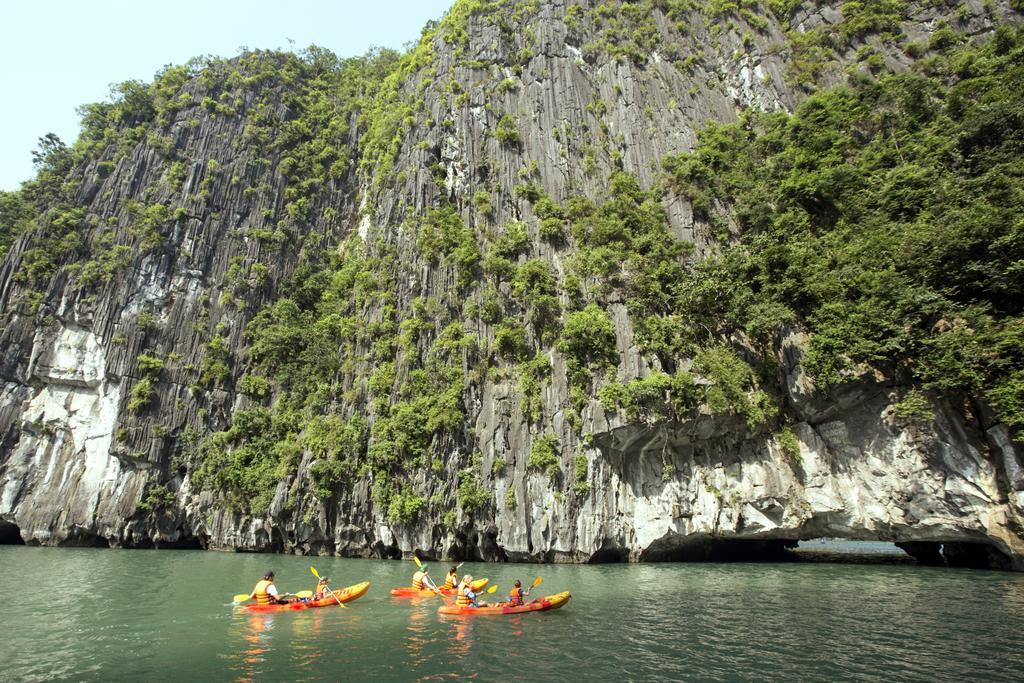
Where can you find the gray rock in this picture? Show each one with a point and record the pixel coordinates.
(75, 462)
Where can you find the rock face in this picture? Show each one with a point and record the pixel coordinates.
(80, 464)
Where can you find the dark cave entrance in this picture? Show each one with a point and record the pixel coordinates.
(79, 537)
(962, 554)
(957, 554)
(183, 543)
(848, 551)
(10, 534)
(710, 549)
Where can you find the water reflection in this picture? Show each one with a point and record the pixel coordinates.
(650, 622)
(417, 638)
(462, 638)
(306, 648)
(255, 634)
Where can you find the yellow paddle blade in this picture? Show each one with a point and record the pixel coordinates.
(536, 582)
(309, 594)
(418, 563)
(493, 588)
(241, 597)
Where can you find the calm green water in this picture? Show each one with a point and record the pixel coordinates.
(165, 615)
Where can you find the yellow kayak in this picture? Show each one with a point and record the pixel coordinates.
(344, 595)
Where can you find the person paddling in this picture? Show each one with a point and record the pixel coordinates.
(515, 596)
(265, 592)
(321, 588)
(466, 597)
(422, 582)
(420, 578)
(452, 580)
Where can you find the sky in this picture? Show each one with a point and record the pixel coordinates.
(60, 54)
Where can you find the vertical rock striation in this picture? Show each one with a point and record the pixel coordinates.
(124, 359)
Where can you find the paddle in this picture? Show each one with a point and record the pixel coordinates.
(492, 589)
(340, 603)
(430, 581)
(302, 595)
(536, 582)
(433, 586)
(420, 564)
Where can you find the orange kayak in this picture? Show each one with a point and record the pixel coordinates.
(344, 595)
(538, 605)
(410, 592)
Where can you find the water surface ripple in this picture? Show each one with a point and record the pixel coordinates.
(102, 615)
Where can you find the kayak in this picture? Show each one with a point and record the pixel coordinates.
(344, 595)
(538, 605)
(410, 592)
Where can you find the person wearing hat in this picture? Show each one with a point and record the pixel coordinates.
(420, 579)
(265, 592)
(321, 589)
(422, 582)
(466, 597)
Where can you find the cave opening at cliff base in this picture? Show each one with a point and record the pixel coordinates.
(957, 554)
(842, 550)
(674, 548)
(10, 534)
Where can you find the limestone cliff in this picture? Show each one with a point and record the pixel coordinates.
(167, 383)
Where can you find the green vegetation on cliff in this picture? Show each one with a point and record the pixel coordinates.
(885, 217)
(882, 217)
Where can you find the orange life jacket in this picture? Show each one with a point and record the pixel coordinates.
(463, 599)
(417, 580)
(320, 590)
(515, 597)
(262, 596)
(451, 581)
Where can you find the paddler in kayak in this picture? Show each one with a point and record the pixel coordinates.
(321, 589)
(422, 582)
(466, 597)
(452, 580)
(515, 596)
(265, 592)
